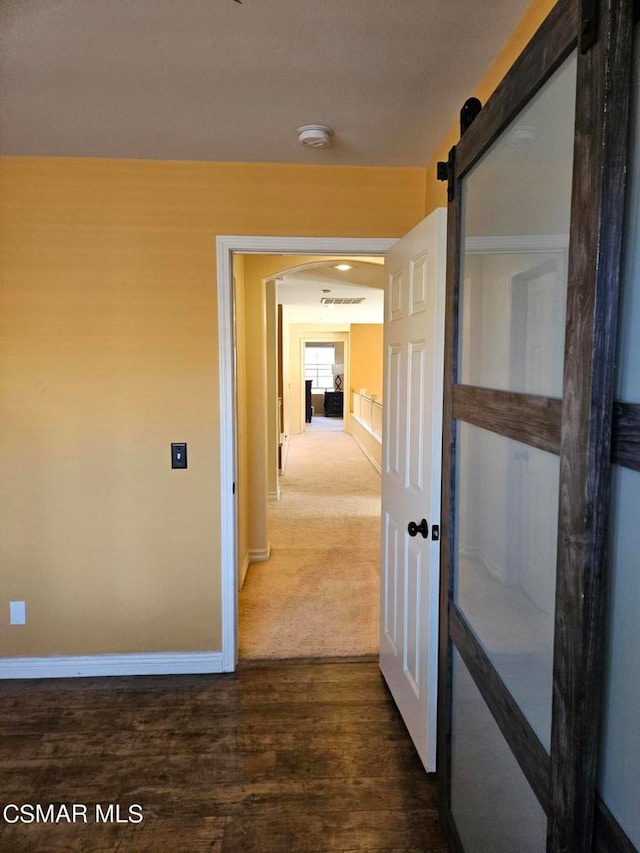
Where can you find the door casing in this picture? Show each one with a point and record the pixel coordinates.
(226, 246)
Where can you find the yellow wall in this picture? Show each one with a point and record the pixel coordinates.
(436, 191)
(108, 353)
(366, 357)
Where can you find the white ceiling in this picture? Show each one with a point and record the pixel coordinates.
(301, 291)
(223, 80)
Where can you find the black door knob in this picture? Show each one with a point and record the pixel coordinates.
(423, 528)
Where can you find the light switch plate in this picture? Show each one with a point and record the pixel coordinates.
(179, 454)
(17, 613)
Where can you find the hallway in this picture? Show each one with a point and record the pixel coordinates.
(318, 595)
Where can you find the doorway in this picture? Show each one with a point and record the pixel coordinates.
(322, 520)
(226, 246)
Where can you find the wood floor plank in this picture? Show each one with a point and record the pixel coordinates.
(332, 831)
(291, 757)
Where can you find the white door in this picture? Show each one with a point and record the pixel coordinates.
(412, 448)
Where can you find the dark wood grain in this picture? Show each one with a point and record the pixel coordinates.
(527, 418)
(516, 730)
(299, 757)
(550, 45)
(625, 442)
(602, 105)
(609, 837)
(447, 513)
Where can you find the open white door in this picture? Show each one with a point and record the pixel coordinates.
(412, 448)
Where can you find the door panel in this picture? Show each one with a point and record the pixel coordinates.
(513, 314)
(419, 283)
(412, 442)
(393, 393)
(499, 814)
(517, 203)
(391, 545)
(504, 579)
(413, 596)
(418, 375)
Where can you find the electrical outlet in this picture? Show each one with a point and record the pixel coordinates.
(17, 613)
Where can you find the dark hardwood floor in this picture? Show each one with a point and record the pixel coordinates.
(276, 757)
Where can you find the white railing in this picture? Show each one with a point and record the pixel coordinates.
(368, 412)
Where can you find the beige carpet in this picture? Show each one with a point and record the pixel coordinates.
(318, 595)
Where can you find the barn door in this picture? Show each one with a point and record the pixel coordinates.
(536, 201)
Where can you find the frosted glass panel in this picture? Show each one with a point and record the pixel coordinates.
(620, 753)
(619, 780)
(505, 572)
(628, 361)
(493, 806)
(516, 214)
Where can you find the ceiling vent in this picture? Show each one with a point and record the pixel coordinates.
(347, 300)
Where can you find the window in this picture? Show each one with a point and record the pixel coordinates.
(318, 360)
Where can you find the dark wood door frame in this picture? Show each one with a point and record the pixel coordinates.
(577, 428)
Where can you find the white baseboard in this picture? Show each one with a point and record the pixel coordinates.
(284, 450)
(274, 496)
(260, 555)
(354, 436)
(79, 666)
(243, 570)
(368, 455)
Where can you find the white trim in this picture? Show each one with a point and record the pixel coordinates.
(374, 436)
(366, 428)
(228, 511)
(80, 666)
(259, 555)
(244, 568)
(517, 244)
(274, 496)
(354, 436)
(284, 451)
(226, 245)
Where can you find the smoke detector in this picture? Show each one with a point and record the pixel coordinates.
(315, 135)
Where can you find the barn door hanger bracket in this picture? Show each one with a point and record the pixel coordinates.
(445, 171)
(468, 114)
(589, 14)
